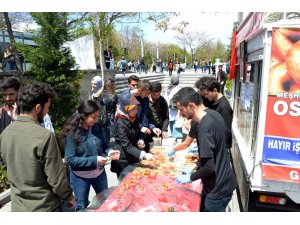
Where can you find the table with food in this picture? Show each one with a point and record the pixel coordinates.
(151, 186)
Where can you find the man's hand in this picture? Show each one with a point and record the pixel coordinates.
(183, 179)
(165, 134)
(171, 152)
(71, 203)
(193, 150)
(157, 131)
(149, 156)
(145, 130)
(187, 170)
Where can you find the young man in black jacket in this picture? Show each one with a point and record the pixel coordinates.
(159, 110)
(211, 90)
(213, 168)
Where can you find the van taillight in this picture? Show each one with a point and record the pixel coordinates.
(272, 200)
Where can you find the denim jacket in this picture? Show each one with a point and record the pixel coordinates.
(84, 157)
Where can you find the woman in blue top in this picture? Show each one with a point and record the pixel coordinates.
(84, 154)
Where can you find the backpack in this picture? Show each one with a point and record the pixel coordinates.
(123, 64)
(104, 117)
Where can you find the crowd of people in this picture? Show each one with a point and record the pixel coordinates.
(44, 173)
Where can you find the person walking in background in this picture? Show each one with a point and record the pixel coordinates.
(112, 64)
(195, 66)
(213, 69)
(84, 153)
(175, 130)
(171, 65)
(142, 66)
(214, 167)
(123, 65)
(9, 91)
(209, 67)
(35, 169)
(108, 56)
(221, 78)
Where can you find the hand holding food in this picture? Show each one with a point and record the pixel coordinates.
(157, 131)
(101, 160)
(148, 156)
(114, 154)
(145, 130)
(141, 144)
(165, 134)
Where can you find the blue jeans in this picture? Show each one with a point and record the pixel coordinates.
(81, 187)
(217, 205)
(9, 66)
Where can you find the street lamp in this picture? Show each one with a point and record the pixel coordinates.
(157, 51)
(142, 42)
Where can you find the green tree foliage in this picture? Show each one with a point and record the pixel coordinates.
(52, 62)
(3, 180)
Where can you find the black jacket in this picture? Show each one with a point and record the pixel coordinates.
(126, 137)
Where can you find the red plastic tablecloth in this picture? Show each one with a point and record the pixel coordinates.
(153, 193)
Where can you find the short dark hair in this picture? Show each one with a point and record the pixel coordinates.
(155, 87)
(200, 81)
(210, 84)
(186, 95)
(32, 94)
(11, 82)
(133, 77)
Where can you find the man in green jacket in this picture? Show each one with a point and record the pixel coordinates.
(34, 164)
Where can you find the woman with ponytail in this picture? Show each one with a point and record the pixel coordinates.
(84, 154)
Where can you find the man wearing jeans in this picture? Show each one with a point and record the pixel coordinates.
(213, 168)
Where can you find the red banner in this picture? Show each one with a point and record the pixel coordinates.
(283, 117)
(281, 148)
(282, 173)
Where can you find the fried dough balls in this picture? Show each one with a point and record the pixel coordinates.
(278, 76)
(285, 61)
(293, 62)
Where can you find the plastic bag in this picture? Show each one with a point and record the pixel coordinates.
(101, 197)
